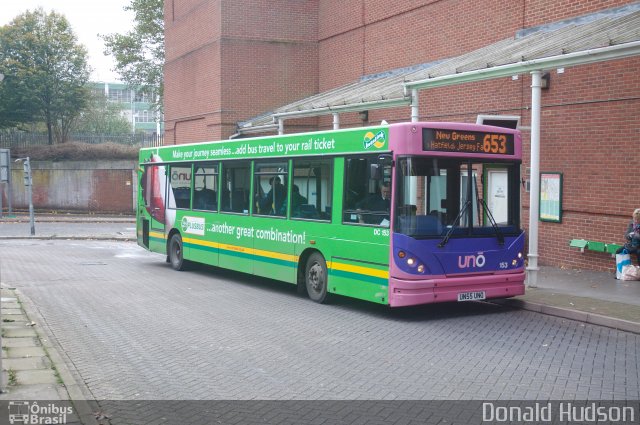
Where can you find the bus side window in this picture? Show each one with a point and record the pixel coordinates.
(312, 189)
(366, 194)
(270, 187)
(236, 178)
(355, 187)
(180, 183)
(205, 186)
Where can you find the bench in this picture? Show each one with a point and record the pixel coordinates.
(609, 248)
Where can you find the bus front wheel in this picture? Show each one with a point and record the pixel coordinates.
(176, 253)
(315, 278)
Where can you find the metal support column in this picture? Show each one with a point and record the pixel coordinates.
(415, 114)
(534, 178)
(280, 126)
(336, 121)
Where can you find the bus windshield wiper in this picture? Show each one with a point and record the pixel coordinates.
(499, 234)
(452, 226)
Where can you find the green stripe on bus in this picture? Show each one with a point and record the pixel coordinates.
(362, 277)
(242, 255)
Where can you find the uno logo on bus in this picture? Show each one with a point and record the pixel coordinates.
(193, 225)
(471, 261)
(377, 140)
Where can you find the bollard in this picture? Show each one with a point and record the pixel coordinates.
(28, 182)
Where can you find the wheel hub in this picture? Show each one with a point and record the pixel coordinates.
(316, 277)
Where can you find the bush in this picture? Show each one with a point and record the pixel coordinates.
(76, 151)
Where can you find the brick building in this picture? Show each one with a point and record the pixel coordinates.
(229, 61)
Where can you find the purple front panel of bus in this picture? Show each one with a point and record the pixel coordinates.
(462, 266)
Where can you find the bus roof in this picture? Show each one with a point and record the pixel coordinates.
(361, 140)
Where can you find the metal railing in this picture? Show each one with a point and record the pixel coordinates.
(16, 139)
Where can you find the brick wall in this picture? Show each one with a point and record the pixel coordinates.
(538, 12)
(228, 61)
(361, 37)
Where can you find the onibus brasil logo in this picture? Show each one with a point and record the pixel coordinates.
(378, 140)
(25, 412)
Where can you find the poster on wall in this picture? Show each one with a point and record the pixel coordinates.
(551, 197)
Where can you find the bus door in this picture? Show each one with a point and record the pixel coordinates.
(272, 253)
(154, 185)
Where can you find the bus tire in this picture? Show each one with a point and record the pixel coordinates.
(316, 277)
(176, 253)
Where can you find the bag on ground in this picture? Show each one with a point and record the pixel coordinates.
(630, 272)
(622, 259)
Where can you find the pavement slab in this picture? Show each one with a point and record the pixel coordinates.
(24, 352)
(27, 371)
(26, 363)
(29, 341)
(21, 332)
(36, 376)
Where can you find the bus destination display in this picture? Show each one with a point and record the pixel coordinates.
(467, 142)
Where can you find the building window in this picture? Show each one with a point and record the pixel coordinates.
(120, 95)
(506, 121)
(145, 116)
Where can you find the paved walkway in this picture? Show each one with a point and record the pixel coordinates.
(591, 297)
(30, 363)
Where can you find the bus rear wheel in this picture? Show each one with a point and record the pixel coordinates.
(176, 253)
(315, 278)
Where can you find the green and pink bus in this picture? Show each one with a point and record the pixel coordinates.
(401, 214)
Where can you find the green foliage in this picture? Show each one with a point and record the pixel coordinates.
(45, 72)
(102, 117)
(76, 151)
(139, 54)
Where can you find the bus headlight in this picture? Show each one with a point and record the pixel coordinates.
(517, 260)
(409, 262)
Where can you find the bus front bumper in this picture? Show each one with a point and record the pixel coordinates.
(404, 292)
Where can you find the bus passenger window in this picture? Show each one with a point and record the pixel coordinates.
(180, 183)
(367, 195)
(312, 189)
(205, 186)
(270, 189)
(235, 187)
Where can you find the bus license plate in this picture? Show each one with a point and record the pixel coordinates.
(472, 296)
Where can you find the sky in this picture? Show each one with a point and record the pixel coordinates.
(88, 18)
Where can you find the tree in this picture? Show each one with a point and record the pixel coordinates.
(102, 117)
(45, 72)
(139, 54)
